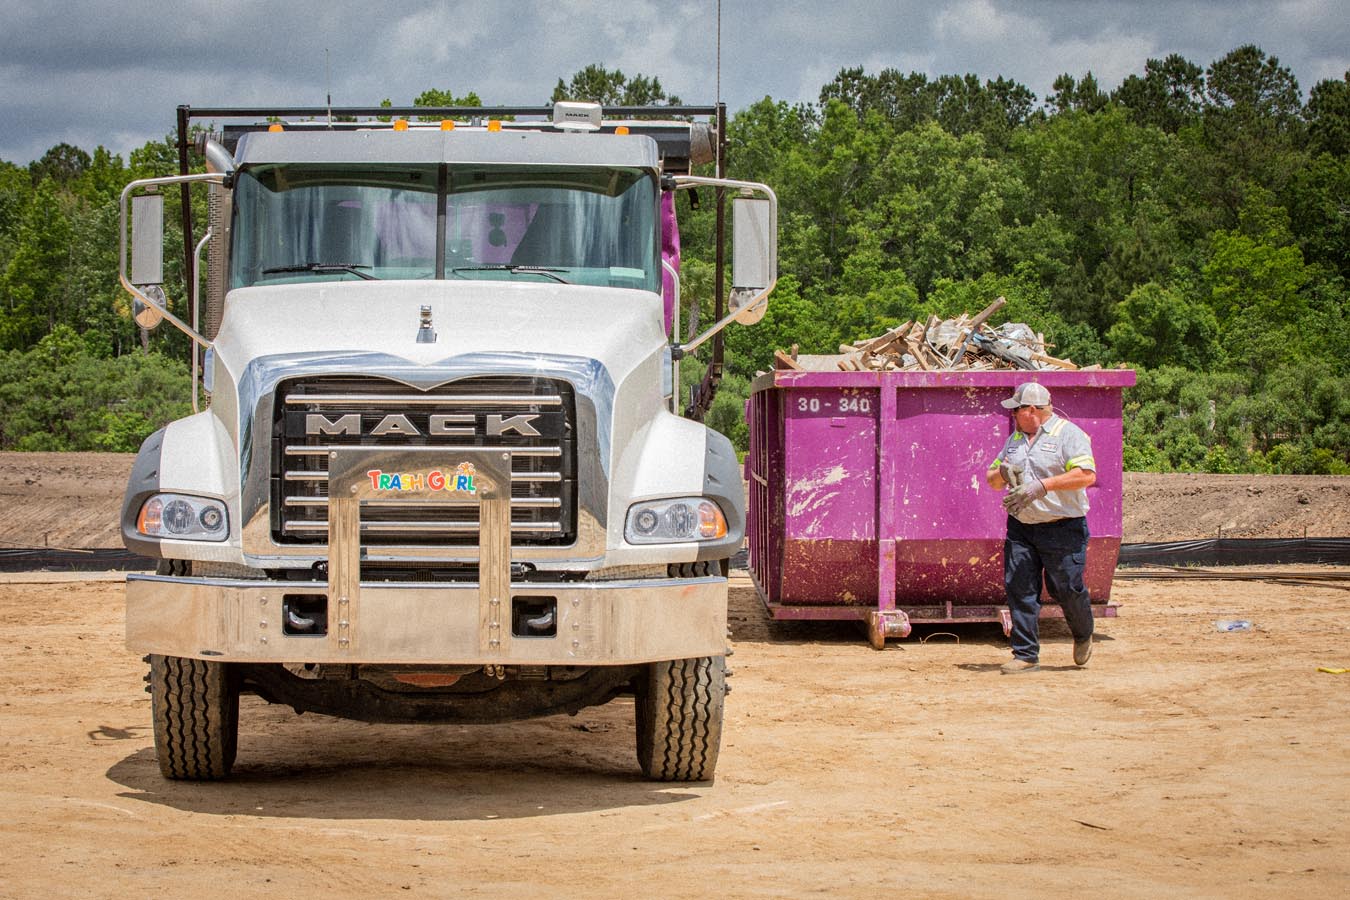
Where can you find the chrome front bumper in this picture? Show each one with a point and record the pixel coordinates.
(598, 623)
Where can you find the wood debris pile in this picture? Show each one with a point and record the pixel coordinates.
(937, 344)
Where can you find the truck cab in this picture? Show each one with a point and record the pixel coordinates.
(440, 476)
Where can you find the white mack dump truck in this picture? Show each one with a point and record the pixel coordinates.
(440, 476)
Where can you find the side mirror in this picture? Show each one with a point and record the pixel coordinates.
(146, 315)
(145, 283)
(754, 257)
(754, 251)
(147, 257)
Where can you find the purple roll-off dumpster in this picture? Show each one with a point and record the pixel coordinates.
(868, 498)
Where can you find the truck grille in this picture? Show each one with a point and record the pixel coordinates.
(365, 412)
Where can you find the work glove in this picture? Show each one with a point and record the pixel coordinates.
(1023, 496)
(1011, 477)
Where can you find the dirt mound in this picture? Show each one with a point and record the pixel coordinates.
(1189, 507)
(73, 500)
(70, 500)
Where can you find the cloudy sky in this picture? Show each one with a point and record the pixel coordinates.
(91, 72)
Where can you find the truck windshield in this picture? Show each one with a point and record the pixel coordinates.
(296, 223)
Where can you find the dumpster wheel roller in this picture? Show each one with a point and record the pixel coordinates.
(886, 623)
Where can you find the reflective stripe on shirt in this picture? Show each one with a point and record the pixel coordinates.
(1056, 448)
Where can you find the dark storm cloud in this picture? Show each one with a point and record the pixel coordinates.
(90, 73)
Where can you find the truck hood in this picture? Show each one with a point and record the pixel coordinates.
(616, 327)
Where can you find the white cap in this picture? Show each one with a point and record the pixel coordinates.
(1029, 394)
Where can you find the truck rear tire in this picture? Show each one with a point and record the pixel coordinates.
(196, 715)
(679, 705)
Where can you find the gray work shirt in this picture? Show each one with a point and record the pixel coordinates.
(1056, 448)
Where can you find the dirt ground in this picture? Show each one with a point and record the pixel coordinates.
(1182, 762)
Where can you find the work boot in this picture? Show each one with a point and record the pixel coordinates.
(1082, 652)
(1017, 666)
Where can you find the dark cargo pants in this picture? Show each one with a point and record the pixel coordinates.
(1058, 551)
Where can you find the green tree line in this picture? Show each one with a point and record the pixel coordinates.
(1192, 223)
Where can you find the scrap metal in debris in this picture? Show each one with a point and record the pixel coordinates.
(937, 344)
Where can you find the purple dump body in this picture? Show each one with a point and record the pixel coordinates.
(867, 489)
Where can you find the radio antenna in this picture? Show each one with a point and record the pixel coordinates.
(719, 53)
(328, 82)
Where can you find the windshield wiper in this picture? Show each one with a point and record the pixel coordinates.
(349, 268)
(546, 271)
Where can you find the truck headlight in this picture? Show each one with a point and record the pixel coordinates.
(183, 517)
(675, 521)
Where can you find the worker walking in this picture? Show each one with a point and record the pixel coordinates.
(1047, 466)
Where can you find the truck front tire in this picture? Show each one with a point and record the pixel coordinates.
(196, 715)
(679, 707)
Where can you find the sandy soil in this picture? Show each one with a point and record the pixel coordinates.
(73, 500)
(1182, 762)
